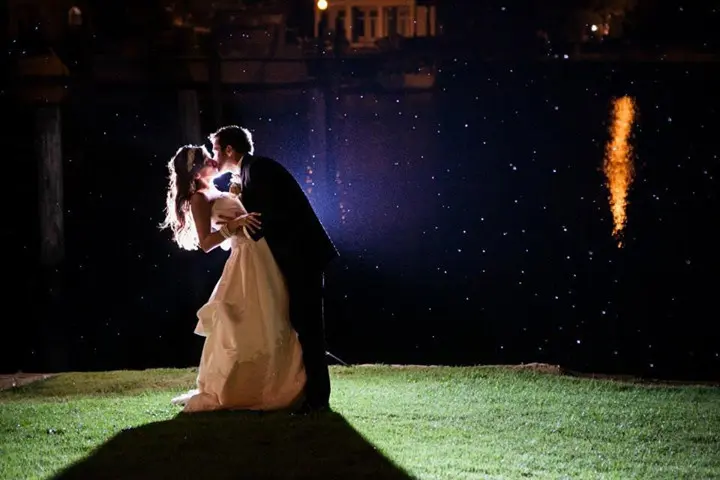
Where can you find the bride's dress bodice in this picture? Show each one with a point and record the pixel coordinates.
(227, 205)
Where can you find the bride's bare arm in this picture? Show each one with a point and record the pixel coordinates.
(201, 212)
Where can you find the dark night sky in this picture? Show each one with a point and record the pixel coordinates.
(472, 220)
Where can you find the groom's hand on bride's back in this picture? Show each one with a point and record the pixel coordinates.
(250, 221)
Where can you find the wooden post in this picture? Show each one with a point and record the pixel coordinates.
(44, 101)
(52, 249)
(50, 187)
(189, 117)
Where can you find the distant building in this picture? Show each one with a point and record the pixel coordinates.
(42, 19)
(363, 22)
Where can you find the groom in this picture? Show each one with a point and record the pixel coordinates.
(297, 239)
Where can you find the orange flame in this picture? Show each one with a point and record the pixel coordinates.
(618, 166)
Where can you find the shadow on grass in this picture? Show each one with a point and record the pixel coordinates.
(238, 445)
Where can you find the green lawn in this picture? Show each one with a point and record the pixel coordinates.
(388, 423)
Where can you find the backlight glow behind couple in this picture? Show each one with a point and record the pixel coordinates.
(263, 324)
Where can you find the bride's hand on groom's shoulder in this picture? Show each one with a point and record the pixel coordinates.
(248, 220)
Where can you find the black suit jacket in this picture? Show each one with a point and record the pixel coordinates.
(293, 231)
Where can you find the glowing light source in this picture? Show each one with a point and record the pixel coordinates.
(322, 4)
(594, 28)
(618, 165)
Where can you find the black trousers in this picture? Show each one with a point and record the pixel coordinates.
(306, 317)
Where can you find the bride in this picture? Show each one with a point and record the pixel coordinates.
(251, 358)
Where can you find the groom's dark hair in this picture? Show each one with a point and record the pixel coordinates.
(239, 138)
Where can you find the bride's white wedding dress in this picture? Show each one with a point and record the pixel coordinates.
(251, 358)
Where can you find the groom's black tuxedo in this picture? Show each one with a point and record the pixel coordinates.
(289, 224)
(302, 249)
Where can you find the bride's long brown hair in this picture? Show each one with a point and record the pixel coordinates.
(181, 186)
